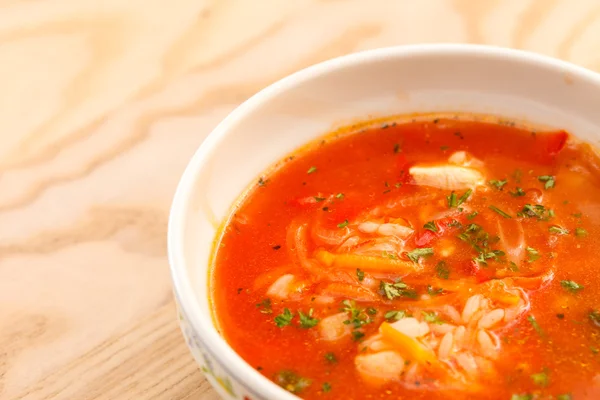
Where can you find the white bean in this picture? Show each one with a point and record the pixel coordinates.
(453, 314)
(459, 336)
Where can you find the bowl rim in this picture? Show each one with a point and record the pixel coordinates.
(238, 369)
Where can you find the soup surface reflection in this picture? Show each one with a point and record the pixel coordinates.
(432, 259)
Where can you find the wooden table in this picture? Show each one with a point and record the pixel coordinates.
(102, 103)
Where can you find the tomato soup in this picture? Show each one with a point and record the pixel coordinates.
(436, 258)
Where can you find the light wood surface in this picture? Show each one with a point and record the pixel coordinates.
(102, 103)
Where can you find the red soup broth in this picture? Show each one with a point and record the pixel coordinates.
(442, 258)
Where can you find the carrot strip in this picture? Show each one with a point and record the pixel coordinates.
(365, 263)
(408, 346)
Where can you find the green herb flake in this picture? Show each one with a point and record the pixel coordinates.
(339, 196)
(580, 232)
(431, 226)
(571, 286)
(432, 318)
(360, 274)
(326, 387)
(537, 211)
(535, 325)
(442, 271)
(416, 254)
(533, 254)
(549, 181)
(291, 381)
(433, 291)
(311, 170)
(452, 200)
(306, 320)
(265, 306)
(397, 289)
(498, 184)
(357, 335)
(319, 199)
(464, 197)
(594, 316)
(330, 358)
(261, 181)
(513, 267)
(541, 378)
(566, 396)
(342, 225)
(397, 148)
(284, 319)
(472, 215)
(444, 148)
(499, 211)
(394, 315)
(518, 192)
(558, 230)
(523, 396)
(357, 316)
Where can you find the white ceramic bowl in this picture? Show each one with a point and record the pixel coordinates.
(310, 103)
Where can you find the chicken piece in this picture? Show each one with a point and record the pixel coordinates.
(379, 368)
(448, 177)
(333, 327)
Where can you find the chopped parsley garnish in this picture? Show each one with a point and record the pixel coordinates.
(319, 199)
(533, 254)
(432, 318)
(284, 319)
(387, 254)
(357, 335)
(580, 232)
(513, 267)
(558, 230)
(452, 200)
(433, 291)
(444, 148)
(536, 211)
(261, 181)
(371, 310)
(566, 396)
(549, 181)
(311, 170)
(464, 197)
(431, 226)
(524, 396)
(535, 325)
(498, 184)
(394, 315)
(488, 255)
(360, 274)
(518, 192)
(330, 358)
(442, 270)
(306, 320)
(416, 254)
(326, 387)
(358, 317)
(339, 196)
(472, 215)
(265, 306)
(396, 148)
(499, 211)
(541, 378)
(571, 286)
(397, 289)
(594, 316)
(343, 224)
(291, 381)
(560, 316)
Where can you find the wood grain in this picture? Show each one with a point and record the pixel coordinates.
(101, 105)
